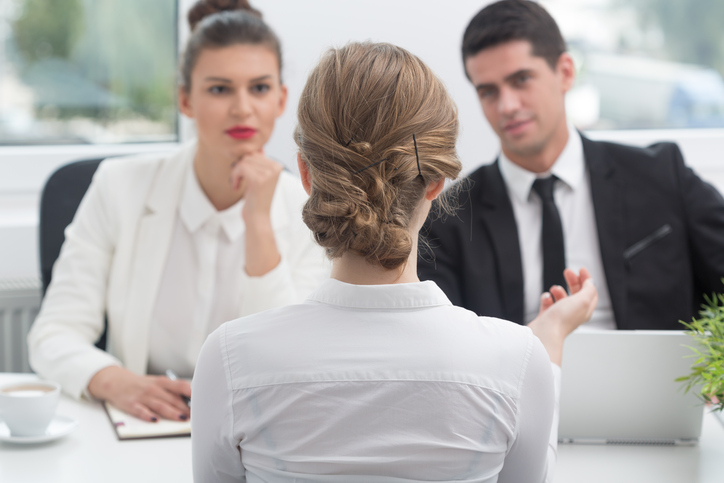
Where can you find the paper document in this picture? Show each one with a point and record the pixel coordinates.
(129, 427)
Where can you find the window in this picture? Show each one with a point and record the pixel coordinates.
(644, 64)
(87, 71)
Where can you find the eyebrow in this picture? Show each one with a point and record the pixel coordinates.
(508, 78)
(218, 79)
(229, 81)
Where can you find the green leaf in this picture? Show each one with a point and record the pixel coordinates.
(707, 370)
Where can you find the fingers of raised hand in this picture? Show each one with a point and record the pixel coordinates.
(575, 280)
(572, 279)
(546, 301)
(585, 274)
(584, 302)
(558, 293)
(591, 294)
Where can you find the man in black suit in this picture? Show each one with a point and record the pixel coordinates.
(650, 231)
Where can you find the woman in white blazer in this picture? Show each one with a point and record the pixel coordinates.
(170, 247)
(377, 377)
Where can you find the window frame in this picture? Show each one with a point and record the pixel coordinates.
(25, 168)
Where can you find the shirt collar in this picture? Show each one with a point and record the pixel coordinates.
(390, 296)
(569, 168)
(195, 209)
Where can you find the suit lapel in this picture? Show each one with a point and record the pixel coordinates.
(153, 238)
(607, 192)
(496, 214)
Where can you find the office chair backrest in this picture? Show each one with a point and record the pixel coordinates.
(61, 196)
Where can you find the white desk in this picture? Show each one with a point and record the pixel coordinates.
(93, 454)
(642, 464)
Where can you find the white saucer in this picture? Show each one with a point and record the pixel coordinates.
(60, 426)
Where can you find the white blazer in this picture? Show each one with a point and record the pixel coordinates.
(113, 259)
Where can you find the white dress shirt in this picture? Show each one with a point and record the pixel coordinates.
(201, 282)
(376, 383)
(572, 195)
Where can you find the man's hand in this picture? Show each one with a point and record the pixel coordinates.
(556, 292)
(145, 397)
(560, 314)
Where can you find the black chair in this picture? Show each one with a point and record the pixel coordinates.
(60, 199)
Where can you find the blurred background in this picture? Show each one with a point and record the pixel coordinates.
(86, 78)
(83, 71)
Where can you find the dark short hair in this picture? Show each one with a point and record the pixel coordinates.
(509, 20)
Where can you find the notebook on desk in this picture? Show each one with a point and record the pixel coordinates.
(129, 427)
(618, 387)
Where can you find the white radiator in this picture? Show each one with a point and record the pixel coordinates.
(19, 304)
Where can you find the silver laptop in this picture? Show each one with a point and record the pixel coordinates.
(618, 388)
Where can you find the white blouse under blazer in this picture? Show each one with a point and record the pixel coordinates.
(113, 261)
(382, 383)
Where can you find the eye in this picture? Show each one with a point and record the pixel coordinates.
(487, 92)
(260, 88)
(219, 89)
(521, 79)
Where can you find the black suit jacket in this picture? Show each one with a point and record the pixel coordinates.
(660, 229)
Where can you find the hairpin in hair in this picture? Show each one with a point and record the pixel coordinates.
(348, 142)
(373, 164)
(417, 156)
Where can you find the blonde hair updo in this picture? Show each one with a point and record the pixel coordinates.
(357, 116)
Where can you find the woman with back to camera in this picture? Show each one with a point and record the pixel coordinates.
(170, 247)
(377, 377)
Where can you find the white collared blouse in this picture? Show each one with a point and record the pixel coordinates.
(382, 383)
(204, 279)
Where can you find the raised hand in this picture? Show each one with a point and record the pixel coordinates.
(561, 314)
(573, 280)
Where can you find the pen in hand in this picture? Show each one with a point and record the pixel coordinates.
(172, 375)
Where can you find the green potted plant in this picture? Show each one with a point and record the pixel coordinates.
(707, 371)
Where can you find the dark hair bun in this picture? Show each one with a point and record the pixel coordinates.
(204, 8)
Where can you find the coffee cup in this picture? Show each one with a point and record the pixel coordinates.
(28, 407)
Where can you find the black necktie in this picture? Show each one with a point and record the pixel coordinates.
(554, 255)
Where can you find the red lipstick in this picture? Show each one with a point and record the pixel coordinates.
(241, 132)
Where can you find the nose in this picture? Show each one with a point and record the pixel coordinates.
(508, 101)
(241, 105)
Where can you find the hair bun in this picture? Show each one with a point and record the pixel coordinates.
(362, 148)
(204, 8)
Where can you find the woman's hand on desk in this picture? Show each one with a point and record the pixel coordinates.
(145, 397)
(560, 313)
